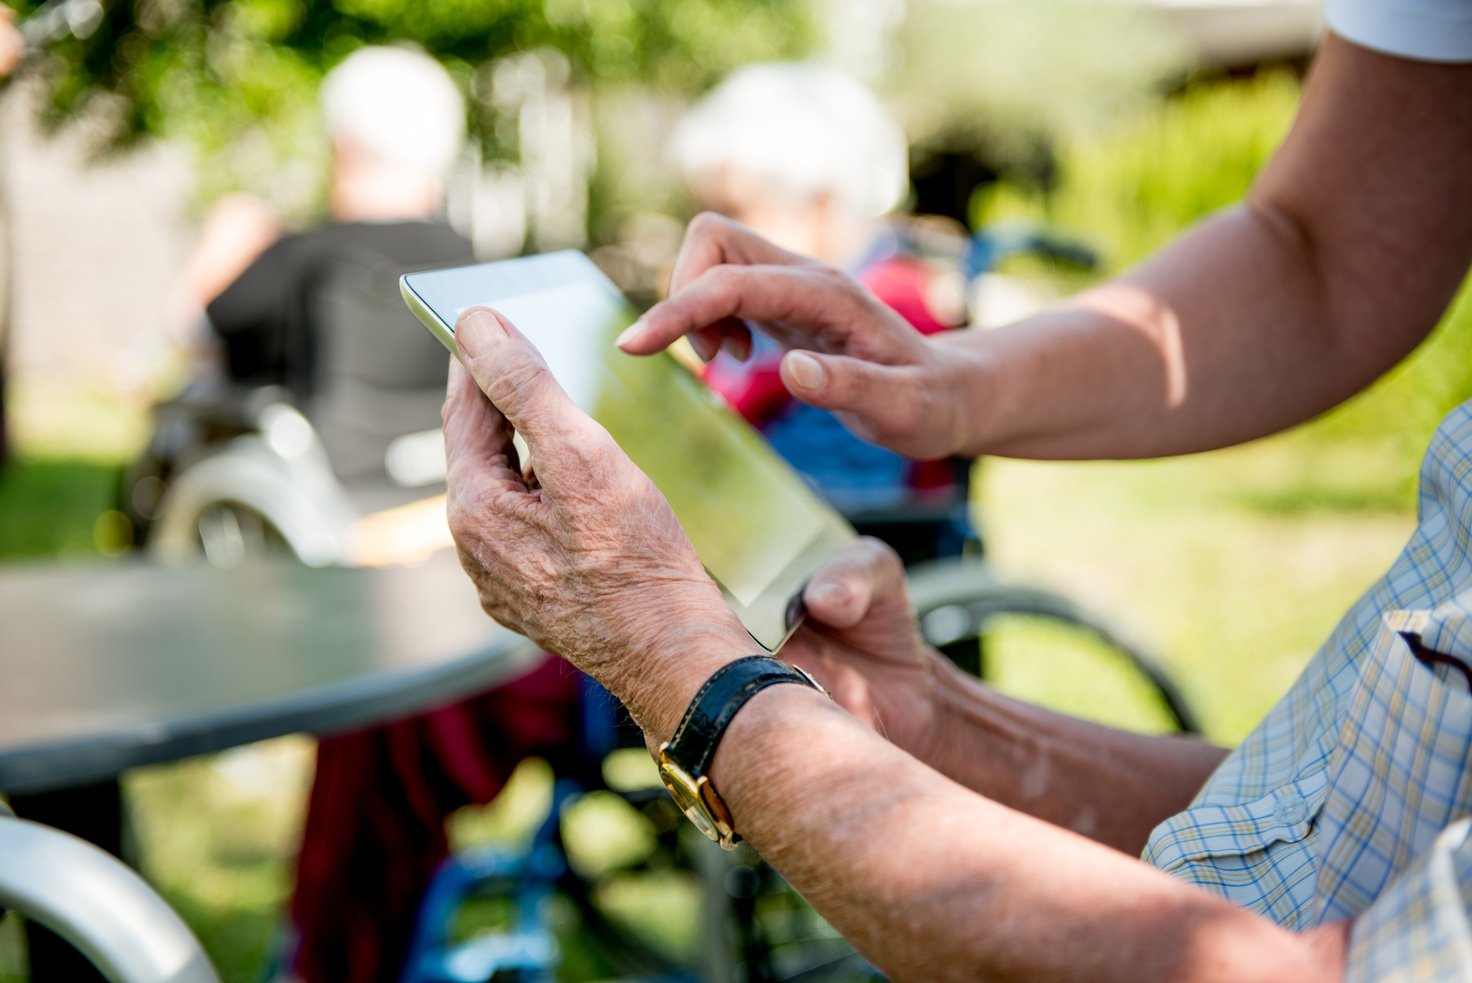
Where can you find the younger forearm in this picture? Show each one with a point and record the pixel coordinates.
(1168, 360)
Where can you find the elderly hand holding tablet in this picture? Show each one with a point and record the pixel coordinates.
(756, 526)
(572, 544)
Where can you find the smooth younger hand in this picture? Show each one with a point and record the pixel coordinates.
(847, 352)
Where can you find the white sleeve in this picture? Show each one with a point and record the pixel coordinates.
(1426, 30)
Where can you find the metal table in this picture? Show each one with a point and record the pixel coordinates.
(111, 666)
(107, 667)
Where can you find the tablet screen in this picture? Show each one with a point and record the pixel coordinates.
(757, 527)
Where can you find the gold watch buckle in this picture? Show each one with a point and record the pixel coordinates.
(697, 799)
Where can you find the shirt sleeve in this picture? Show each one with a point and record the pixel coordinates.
(1426, 30)
(1420, 928)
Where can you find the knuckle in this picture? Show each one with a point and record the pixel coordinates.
(878, 556)
(835, 278)
(724, 285)
(460, 513)
(519, 382)
(706, 225)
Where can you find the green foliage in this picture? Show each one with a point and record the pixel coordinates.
(1132, 189)
(237, 79)
(1006, 80)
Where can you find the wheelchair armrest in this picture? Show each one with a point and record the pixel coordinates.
(99, 905)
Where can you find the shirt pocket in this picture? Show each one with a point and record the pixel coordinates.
(1399, 775)
(1258, 854)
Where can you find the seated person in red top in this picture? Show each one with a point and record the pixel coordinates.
(810, 159)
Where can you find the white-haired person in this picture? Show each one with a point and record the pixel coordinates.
(244, 304)
(397, 125)
(810, 159)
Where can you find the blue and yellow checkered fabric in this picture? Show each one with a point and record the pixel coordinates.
(1352, 798)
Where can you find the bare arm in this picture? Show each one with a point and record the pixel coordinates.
(1110, 785)
(236, 231)
(934, 883)
(1346, 252)
(930, 880)
(1343, 257)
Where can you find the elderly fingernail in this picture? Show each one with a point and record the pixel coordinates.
(477, 328)
(831, 592)
(806, 371)
(630, 333)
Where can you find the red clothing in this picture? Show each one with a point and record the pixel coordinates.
(375, 830)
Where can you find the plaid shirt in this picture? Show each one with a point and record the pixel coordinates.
(1353, 797)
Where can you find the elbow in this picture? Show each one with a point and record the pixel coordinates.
(1362, 298)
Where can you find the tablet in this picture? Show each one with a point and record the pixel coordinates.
(758, 528)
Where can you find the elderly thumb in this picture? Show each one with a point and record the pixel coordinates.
(508, 369)
(515, 378)
(478, 329)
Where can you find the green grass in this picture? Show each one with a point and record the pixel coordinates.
(1236, 598)
(53, 506)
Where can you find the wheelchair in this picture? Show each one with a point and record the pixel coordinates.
(296, 465)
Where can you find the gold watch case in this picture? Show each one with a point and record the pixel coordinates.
(697, 799)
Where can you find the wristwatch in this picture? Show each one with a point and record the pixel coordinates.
(685, 757)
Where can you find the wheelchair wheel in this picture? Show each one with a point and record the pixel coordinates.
(760, 930)
(229, 534)
(633, 878)
(1036, 645)
(686, 911)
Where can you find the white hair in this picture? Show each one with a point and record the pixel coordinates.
(805, 130)
(399, 106)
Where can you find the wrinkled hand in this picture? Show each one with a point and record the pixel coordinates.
(847, 351)
(861, 641)
(579, 552)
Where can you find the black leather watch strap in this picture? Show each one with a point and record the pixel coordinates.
(715, 704)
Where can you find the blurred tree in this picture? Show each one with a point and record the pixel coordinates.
(236, 78)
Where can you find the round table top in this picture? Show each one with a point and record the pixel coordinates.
(110, 666)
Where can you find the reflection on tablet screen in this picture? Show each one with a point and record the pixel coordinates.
(745, 511)
(756, 525)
